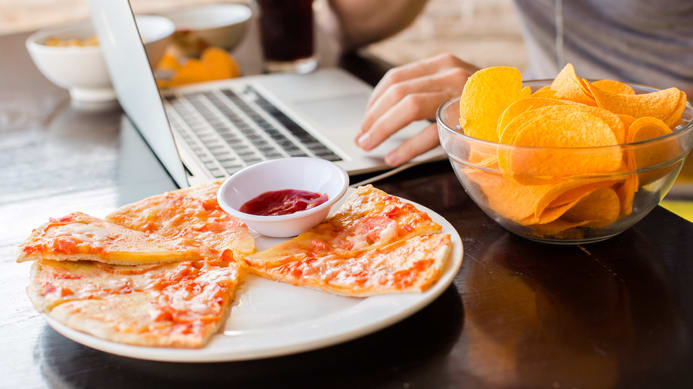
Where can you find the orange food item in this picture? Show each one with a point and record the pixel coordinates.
(487, 93)
(662, 152)
(214, 64)
(600, 208)
(613, 86)
(662, 104)
(80, 237)
(559, 126)
(171, 305)
(567, 161)
(567, 85)
(220, 63)
(374, 244)
(189, 216)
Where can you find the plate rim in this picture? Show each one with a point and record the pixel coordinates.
(171, 354)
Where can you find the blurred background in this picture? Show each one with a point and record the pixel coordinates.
(483, 32)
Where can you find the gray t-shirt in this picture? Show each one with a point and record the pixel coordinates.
(642, 41)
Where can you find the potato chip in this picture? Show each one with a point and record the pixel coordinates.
(661, 104)
(523, 105)
(556, 228)
(675, 118)
(626, 193)
(600, 208)
(564, 156)
(525, 204)
(626, 119)
(569, 193)
(567, 85)
(564, 127)
(614, 87)
(485, 96)
(644, 156)
(545, 91)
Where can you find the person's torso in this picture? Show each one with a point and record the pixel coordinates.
(649, 42)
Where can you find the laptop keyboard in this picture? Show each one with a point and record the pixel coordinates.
(228, 130)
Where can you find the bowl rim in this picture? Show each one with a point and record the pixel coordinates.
(291, 216)
(171, 14)
(32, 41)
(688, 127)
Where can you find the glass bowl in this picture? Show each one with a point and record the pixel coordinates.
(565, 195)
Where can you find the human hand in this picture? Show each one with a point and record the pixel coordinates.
(409, 93)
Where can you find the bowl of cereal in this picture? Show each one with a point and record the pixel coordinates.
(70, 56)
(554, 170)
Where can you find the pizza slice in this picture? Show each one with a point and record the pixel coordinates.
(180, 304)
(191, 217)
(409, 265)
(80, 237)
(368, 218)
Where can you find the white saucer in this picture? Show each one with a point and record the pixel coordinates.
(270, 319)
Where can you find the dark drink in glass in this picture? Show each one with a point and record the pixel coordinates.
(286, 27)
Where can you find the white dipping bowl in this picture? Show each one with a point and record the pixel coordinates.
(82, 69)
(310, 174)
(212, 25)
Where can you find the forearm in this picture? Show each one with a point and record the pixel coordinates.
(366, 21)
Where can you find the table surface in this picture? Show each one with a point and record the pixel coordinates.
(519, 314)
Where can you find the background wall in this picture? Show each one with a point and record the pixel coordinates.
(484, 32)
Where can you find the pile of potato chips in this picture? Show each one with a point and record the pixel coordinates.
(562, 150)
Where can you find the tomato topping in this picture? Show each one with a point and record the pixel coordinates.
(66, 276)
(215, 227)
(66, 245)
(32, 249)
(50, 288)
(318, 245)
(283, 202)
(63, 219)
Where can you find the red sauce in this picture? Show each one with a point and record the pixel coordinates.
(283, 202)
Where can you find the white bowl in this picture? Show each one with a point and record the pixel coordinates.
(82, 69)
(311, 174)
(213, 25)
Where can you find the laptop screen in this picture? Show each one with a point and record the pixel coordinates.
(133, 80)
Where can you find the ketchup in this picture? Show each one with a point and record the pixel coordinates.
(283, 202)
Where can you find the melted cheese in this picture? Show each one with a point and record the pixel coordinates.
(79, 236)
(190, 217)
(186, 299)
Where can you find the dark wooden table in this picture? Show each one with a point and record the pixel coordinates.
(519, 314)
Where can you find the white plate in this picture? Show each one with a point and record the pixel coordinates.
(270, 318)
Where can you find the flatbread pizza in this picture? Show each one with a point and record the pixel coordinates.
(410, 265)
(80, 237)
(173, 305)
(363, 249)
(189, 216)
(163, 271)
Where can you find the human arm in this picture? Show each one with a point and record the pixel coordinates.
(366, 21)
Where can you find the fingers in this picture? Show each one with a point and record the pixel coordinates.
(418, 144)
(413, 107)
(413, 70)
(450, 80)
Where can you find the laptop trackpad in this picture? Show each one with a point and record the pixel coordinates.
(341, 113)
(342, 118)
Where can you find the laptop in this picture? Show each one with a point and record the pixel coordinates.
(209, 131)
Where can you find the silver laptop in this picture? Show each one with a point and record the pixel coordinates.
(211, 130)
